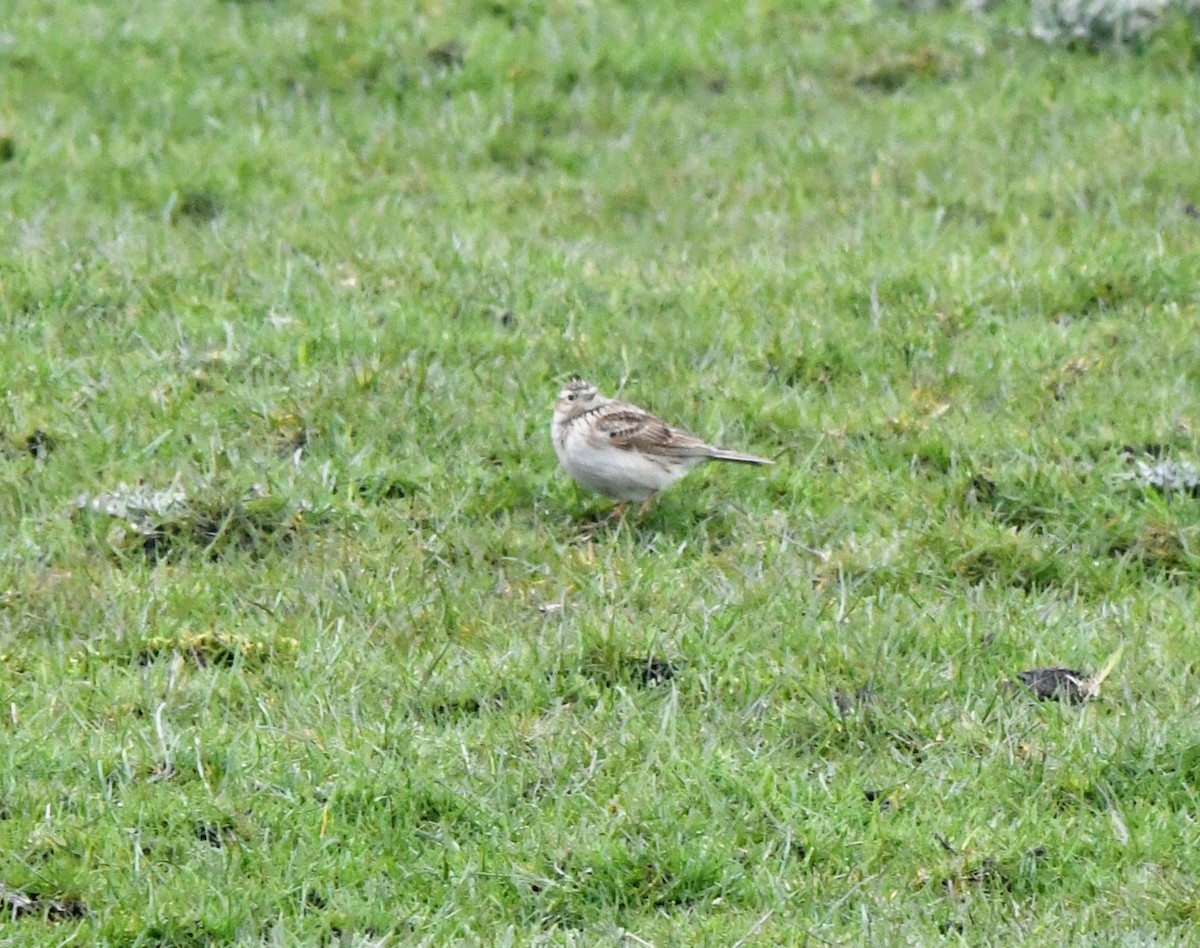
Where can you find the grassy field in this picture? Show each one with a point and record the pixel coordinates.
(304, 637)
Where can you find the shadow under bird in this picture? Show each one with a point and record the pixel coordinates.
(622, 451)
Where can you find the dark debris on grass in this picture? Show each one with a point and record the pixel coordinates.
(200, 205)
(1056, 684)
(449, 54)
(16, 904)
(847, 702)
(1065, 684)
(38, 444)
(501, 315)
(981, 492)
(643, 671)
(1161, 549)
(604, 669)
(215, 834)
(990, 873)
(1153, 449)
(893, 74)
(374, 489)
(217, 527)
(291, 441)
(456, 709)
(164, 524)
(875, 795)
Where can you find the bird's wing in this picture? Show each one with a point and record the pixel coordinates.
(632, 429)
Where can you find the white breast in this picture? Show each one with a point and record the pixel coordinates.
(614, 472)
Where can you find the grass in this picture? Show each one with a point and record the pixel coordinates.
(305, 639)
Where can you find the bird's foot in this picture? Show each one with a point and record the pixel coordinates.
(646, 505)
(618, 511)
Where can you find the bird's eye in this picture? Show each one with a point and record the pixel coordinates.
(571, 397)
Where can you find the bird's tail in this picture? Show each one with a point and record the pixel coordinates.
(720, 454)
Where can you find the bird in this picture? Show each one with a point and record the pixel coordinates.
(622, 451)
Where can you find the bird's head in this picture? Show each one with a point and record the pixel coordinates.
(577, 396)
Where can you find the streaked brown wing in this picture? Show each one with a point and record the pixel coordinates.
(630, 428)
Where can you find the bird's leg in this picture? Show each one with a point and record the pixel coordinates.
(618, 511)
(646, 504)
